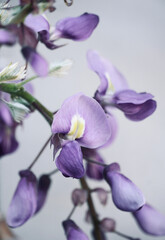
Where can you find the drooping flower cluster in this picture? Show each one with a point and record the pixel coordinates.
(79, 128)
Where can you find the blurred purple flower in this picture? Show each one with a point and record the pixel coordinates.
(79, 196)
(150, 220)
(77, 28)
(93, 170)
(74, 127)
(73, 232)
(108, 225)
(38, 63)
(125, 194)
(24, 201)
(44, 183)
(102, 195)
(28, 199)
(113, 90)
(8, 142)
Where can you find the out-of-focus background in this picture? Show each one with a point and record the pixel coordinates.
(130, 34)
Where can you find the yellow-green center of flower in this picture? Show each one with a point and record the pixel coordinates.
(77, 127)
(110, 88)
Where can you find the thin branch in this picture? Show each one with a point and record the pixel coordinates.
(72, 211)
(40, 152)
(96, 162)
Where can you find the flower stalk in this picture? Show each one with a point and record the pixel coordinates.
(94, 216)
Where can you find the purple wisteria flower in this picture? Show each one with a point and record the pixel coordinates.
(150, 220)
(74, 28)
(113, 90)
(29, 198)
(8, 142)
(24, 201)
(125, 194)
(77, 28)
(80, 122)
(73, 232)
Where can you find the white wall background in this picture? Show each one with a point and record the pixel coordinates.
(131, 34)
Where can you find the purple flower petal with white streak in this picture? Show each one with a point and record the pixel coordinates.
(24, 202)
(38, 63)
(136, 106)
(70, 161)
(7, 37)
(43, 188)
(73, 232)
(125, 194)
(150, 220)
(37, 23)
(96, 128)
(93, 170)
(106, 71)
(77, 28)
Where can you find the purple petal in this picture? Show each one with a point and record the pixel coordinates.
(97, 130)
(7, 37)
(114, 129)
(24, 202)
(105, 69)
(44, 37)
(70, 161)
(125, 194)
(5, 115)
(79, 196)
(130, 96)
(150, 220)
(93, 171)
(37, 23)
(8, 142)
(73, 232)
(108, 225)
(38, 63)
(27, 37)
(77, 28)
(43, 187)
(136, 106)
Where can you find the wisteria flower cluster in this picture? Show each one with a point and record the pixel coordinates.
(81, 127)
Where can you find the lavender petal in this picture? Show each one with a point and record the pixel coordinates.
(24, 202)
(38, 63)
(125, 194)
(150, 220)
(73, 232)
(70, 161)
(77, 28)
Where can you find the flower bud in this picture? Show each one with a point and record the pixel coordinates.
(79, 196)
(73, 232)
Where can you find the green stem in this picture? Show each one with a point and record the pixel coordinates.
(26, 81)
(94, 216)
(14, 90)
(22, 14)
